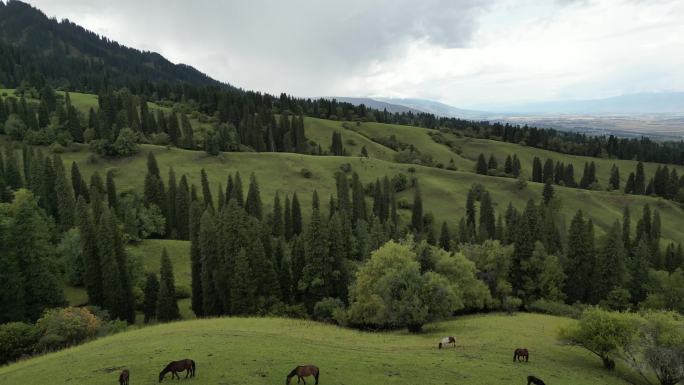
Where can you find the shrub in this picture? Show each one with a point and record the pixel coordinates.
(556, 308)
(400, 182)
(17, 339)
(306, 173)
(50, 343)
(325, 309)
(161, 139)
(57, 148)
(350, 142)
(346, 167)
(511, 304)
(112, 327)
(72, 324)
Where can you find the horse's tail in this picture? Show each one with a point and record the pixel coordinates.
(515, 353)
(318, 373)
(192, 363)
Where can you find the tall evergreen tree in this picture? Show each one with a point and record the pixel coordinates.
(287, 219)
(417, 211)
(167, 304)
(277, 228)
(358, 200)
(612, 267)
(445, 237)
(317, 275)
(208, 242)
(171, 217)
(151, 293)
(65, 196)
(296, 216)
(579, 261)
(253, 203)
(206, 191)
(614, 181)
(112, 197)
(639, 180)
(548, 192)
(639, 268)
(487, 220)
(242, 290)
(481, 166)
(537, 175)
(195, 216)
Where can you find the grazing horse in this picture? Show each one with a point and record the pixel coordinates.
(532, 380)
(123, 377)
(301, 372)
(446, 341)
(178, 366)
(521, 353)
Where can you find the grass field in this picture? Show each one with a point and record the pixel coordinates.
(444, 192)
(250, 351)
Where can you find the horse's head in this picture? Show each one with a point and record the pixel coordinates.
(440, 345)
(287, 380)
(161, 375)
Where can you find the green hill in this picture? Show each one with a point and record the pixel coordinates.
(262, 351)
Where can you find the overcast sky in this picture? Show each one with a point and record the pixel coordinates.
(468, 53)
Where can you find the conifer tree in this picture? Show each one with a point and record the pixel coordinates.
(358, 200)
(317, 275)
(111, 272)
(296, 216)
(639, 268)
(611, 268)
(167, 305)
(171, 218)
(242, 290)
(287, 219)
(417, 211)
(487, 219)
(77, 182)
(343, 192)
(481, 166)
(516, 166)
(239, 197)
(112, 197)
(569, 177)
(151, 293)
(537, 175)
(253, 203)
(65, 196)
(548, 171)
(277, 229)
(631, 184)
(614, 181)
(445, 237)
(492, 164)
(470, 209)
(28, 243)
(208, 242)
(548, 192)
(626, 229)
(195, 216)
(92, 274)
(639, 180)
(182, 210)
(206, 191)
(508, 165)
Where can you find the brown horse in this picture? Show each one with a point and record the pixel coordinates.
(123, 377)
(447, 341)
(178, 366)
(301, 372)
(532, 380)
(521, 353)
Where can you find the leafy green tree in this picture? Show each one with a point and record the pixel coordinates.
(390, 291)
(167, 305)
(602, 333)
(151, 294)
(665, 291)
(109, 266)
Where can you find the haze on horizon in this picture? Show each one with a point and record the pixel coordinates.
(476, 54)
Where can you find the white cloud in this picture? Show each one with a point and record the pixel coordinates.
(469, 53)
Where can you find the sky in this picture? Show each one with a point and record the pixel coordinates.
(479, 54)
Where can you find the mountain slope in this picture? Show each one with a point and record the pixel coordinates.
(378, 104)
(63, 53)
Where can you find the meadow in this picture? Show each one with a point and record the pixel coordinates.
(251, 351)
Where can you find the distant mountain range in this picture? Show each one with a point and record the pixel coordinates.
(396, 105)
(629, 104)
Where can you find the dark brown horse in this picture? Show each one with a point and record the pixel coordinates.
(123, 377)
(178, 366)
(532, 380)
(301, 372)
(520, 354)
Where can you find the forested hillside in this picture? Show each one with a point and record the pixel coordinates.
(140, 191)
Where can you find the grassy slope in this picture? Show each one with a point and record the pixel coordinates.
(444, 191)
(262, 351)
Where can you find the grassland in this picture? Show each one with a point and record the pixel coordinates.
(251, 351)
(443, 191)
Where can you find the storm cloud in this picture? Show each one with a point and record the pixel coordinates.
(464, 52)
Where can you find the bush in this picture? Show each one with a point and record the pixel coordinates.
(556, 308)
(400, 182)
(345, 167)
(72, 324)
(57, 148)
(50, 343)
(183, 292)
(306, 173)
(112, 327)
(160, 139)
(17, 339)
(511, 304)
(325, 309)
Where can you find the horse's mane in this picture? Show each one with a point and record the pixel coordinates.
(293, 372)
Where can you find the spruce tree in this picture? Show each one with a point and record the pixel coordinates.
(317, 275)
(296, 216)
(445, 237)
(417, 212)
(206, 191)
(548, 171)
(612, 268)
(208, 242)
(639, 268)
(481, 166)
(287, 219)
(65, 196)
(639, 180)
(92, 273)
(508, 165)
(548, 192)
(194, 219)
(579, 261)
(171, 218)
(614, 181)
(537, 175)
(182, 210)
(277, 229)
(626, 229)
(77, 182)
(253, 203)
(239, 197)
(487, 220)
(167, 304)
(151, 293)
(111, 271)
(112, 197)
(241, 289)
(358, 200)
